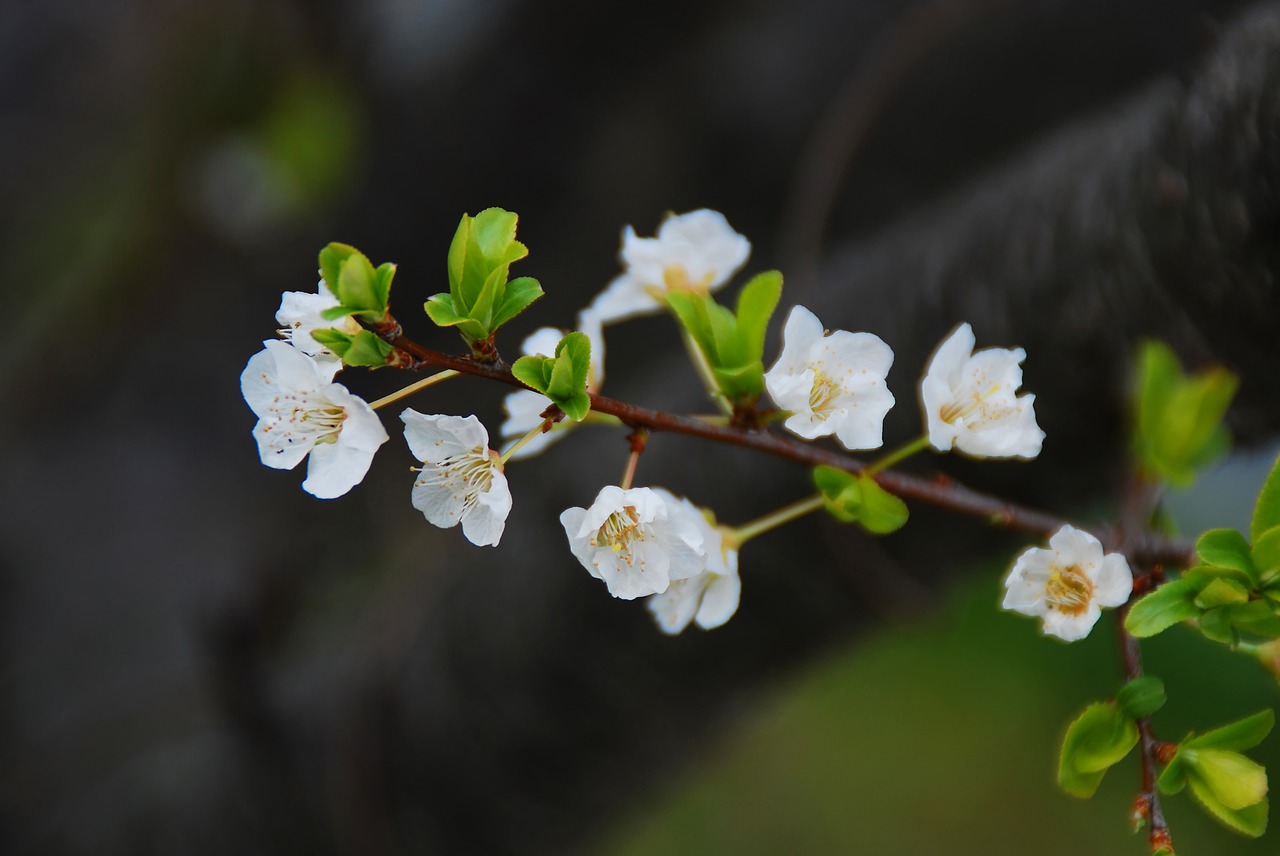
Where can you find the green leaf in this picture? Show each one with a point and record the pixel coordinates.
(1141, 697)
(1266, 556)
(1236, 781)
(1251, 821)
(1215, 624)
(1240, 735)
(383, 275)
(1257, 617)
(1266, 511)
(331, 259)
(367, 349)
(1174, 777)
(334, 340)
(568, 384)
(356, 289)
(856, 498)
(1098, 738)
(1220, 592)
(1166, 606)
(756, 304)
(882, 512)
(534, 371)
(520, 294)
(1179, 423)
(440, 309)
(1225, 548)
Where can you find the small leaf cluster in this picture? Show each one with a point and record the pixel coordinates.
(362, 291)
(563, 377)
(481, 298)
(732, 341)
(1230, 786)
(859, 499)
(1104, 733)
(1179, 428)
(1233, 590)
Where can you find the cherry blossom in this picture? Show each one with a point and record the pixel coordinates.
(462, 479)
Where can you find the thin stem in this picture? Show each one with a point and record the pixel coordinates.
(742, 534)
(703, 368)
(639, 439)
(541, 428)
(900, 454)
(1136, 509)
(431, 380)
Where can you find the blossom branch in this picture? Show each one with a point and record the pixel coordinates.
(941, 490)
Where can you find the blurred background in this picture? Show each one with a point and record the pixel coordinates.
(197, 657)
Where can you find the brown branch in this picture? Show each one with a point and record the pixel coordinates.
(939, 491)
(1140, 500)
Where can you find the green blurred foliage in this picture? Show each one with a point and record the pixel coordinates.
(942, 737)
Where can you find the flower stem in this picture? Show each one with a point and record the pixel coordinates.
(703, 368)
(919, 444)
(430, 380)
(744, 533)
(638, 439)
(540, 428)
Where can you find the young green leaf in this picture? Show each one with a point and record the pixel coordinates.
(367, 349)
(1242, 734)
(520, 294)
(1161, 609)
(567, 385)
(1236, 781)
(856, 498)
(1225, 548)
(1141, 697)
(1251, 820)
(1098, 738)
(331, 260)
(1266, 511)
(534, 371)
(1220, 592)
(1266, 556)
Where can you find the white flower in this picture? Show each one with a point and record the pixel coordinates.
(832, 384)
(709, 598)
(969, 400)
(299, 316)
(524, 408)
(635, 540)
(1068, 584)
(462, 480)
(697, 251)
(300, 410)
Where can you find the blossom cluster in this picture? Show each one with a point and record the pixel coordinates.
(647, 542)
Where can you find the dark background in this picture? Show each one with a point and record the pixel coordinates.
(198, 657)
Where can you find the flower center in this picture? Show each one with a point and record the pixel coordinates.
(676, 278)
(304, 416)
(964, 405)
(1068, 590)
(822, 394)
(619, 531)
(467, 475)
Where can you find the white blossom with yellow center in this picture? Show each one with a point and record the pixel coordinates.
(696, 251)
(708, 599)
(461, 480)
(831, 383)
(636, 541)
(970, 400)
(1068, 584)
(301, 411)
